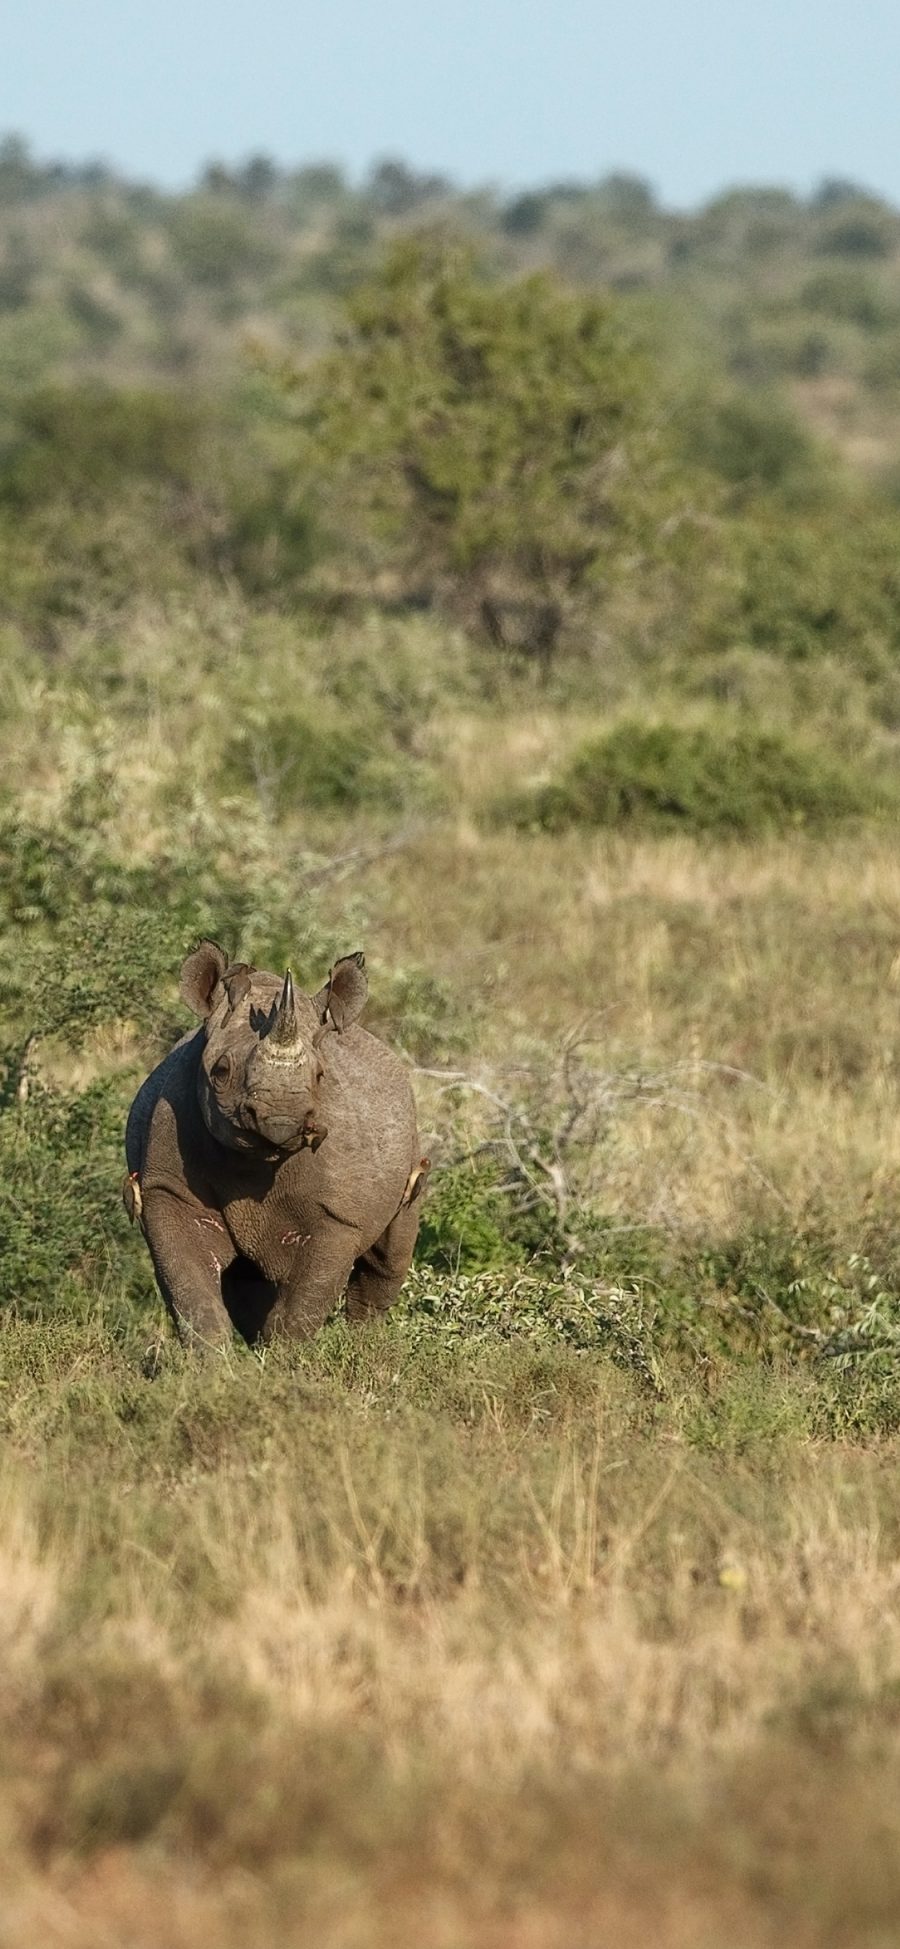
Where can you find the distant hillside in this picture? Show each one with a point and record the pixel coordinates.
(102, 277)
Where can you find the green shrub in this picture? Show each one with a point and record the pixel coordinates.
(88, 939)
(788, 344)
(62, 1227)
(474, 1219)
(464, 1225)
(419, 1013)
(698, 779)
(104, 492)
(18, 272)
(801, 588)
(753, 442)
(101, 494)
(291, 759)
(881, 372)
(850, 295)
(271, 537)
(101, 323)
(864, 228)
(215, 244)
(87, 441)
(486, 433)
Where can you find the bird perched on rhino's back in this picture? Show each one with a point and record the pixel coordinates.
(273, 1156)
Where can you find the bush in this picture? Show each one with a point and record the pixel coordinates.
(419, 1013)
(881, 372)
(290, 759)
(216, 245)
(753, 442)
(269, 538)
(88, 940)
(661, 776)
(61, 1225)
(850, 295)
(102, 491)
(802, 589)
(864, 228)
(88, 442)
(464, 1226)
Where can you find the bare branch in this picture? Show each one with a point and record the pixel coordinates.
(549, 1120)
(345, 863)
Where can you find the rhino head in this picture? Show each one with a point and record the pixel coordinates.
(265, 1052)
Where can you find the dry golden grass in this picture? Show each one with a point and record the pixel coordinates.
(778, 963)
(673, 1714)
(778, 960)
(458, 1642)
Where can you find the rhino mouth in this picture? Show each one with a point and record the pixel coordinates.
(282, 1139)
(261, 1128)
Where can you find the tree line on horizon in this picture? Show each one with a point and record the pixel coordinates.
(102, 274)
(390, 182)
(565, 414)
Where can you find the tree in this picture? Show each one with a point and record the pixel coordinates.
(257, 178)
(395, 189)
(629, 199)
(494, 438)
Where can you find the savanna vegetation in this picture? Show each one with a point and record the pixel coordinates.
(510, 588)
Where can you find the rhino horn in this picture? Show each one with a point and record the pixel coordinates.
(285, 1033)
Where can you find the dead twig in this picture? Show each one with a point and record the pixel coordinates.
(549, 1128)
(359, 856)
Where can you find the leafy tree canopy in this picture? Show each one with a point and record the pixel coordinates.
(495, 433)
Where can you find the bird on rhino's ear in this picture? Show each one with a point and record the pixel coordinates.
(340, 1003)
(200, 976)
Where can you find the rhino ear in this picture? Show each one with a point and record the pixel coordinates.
(344, 997)
(200, 976)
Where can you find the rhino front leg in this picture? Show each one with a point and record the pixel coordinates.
(189, 1247)
(317, 1278)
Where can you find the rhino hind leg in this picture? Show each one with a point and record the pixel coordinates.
(378, 1274)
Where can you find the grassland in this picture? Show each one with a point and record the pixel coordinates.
(417, 1639)
(563, 1608)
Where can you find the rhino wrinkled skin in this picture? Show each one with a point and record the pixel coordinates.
(273, 1156)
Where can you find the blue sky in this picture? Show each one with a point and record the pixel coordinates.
(693, 94)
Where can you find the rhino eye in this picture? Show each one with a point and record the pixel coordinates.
(221, 1070)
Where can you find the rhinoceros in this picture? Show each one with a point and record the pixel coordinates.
(273, 1159)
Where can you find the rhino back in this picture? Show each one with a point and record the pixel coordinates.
(175, 1078)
